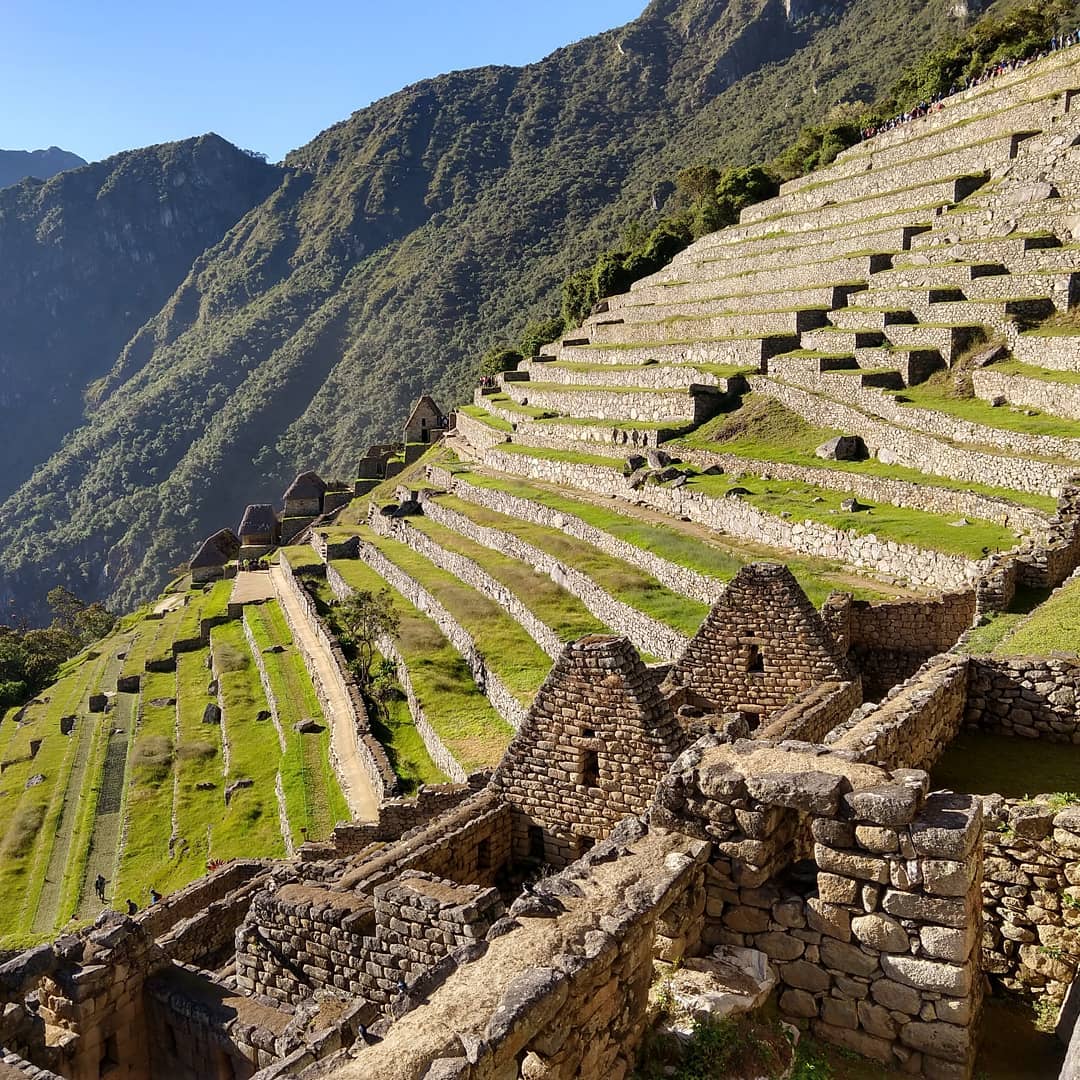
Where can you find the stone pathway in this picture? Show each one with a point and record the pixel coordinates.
(355, 782)
(251, 587)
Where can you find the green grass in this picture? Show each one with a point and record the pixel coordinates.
(313, 796)
(1052, 627)
(506, 647)
(936, 394)
(149, 796)
(460, 715)
(300, 557)
(209, 604)
(250, 822)
(901, 524)
(476, 413)
(618, 578)
(691, 546)
(764, 430)
(1030, 371)
(30, 817)
(550, 603)
(505, 401)
(568, 456)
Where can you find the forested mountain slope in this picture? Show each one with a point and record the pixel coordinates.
(86, 258)
(400, 243)
(15, 165)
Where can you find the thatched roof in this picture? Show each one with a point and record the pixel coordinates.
(216, 550)
(258, 519)
(308, 485)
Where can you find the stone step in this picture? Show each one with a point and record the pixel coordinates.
(1055, 74)
(783, 273)
(790, 366)
(1058, 352)
(712, 326)
(836, 340)
(696, 402)
(741, 350)
(949, 135)
(929, 159)
(915, 365)
(947, 341)
(913, 200)
(748, 302)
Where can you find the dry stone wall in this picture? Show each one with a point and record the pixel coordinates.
(1034, 697)
(814, 714)
(648, 634)
(1056, 398)
(914, 723)
(1031, 896)
(905, 446)
(479, 434)
(920, 566)
(508, 706)
(370, 752)
(679, 579)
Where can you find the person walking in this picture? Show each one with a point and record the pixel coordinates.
(99, 887)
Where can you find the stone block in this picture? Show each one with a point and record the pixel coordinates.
(941, 910)
(947, 943)
(896, 997)
(837, 889)
(798, 1003)
(890, 805)
(928, 975)
(847, 958)
(829, 919)
(881, 933)
(866, 867)
(946, 1041)
(805, 976)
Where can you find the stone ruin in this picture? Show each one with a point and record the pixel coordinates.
(642, 817)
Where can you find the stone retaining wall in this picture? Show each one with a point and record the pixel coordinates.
(477, 433)
(919, 566)
(506, 705)
(904, 446)
(880, 489)
(626, 404)
(1031, 896)
(470, 573)
(1060, 353)
(370, 752)
(915, 722)
(560, 436)
(680, 579)
(1056, 398)
(648, 634)
(813, 715)
(1034, 697)
(436, 748)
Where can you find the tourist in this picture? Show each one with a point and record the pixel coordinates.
(133, 908)
(99, 887)
(155, 896)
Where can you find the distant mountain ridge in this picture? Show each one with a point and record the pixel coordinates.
(16, 165)
(393, 249)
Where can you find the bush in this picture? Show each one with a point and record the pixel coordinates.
(25, 825)
(230, 657)
(499, 358)
(151, 756)
(195, 751)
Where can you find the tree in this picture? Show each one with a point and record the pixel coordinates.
(366, 617)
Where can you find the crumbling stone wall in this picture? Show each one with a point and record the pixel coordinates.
(1031, 896)
(811, 716)
(598, 739)
(1031, 696)
(760, 646)
(303, 938)
(861, 888)
(914, 723)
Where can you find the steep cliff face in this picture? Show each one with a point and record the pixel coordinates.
(399, 244)
(85, 259)
(16, 165)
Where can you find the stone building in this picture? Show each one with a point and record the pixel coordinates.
(426, 422)
(259, 529)
(304, 497)
(762, 645)
(214, 554)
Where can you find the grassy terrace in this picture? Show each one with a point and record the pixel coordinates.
(901, 524)
(506, 402)
(145, 857)
(250, 822)
(935, 394)
(620, 579)
(31, 818)
(764, 430)
(484, 417)
(1030, 371)
(506, 647)
(461, 716)
(1052, 627)
(572, 457)
(209, 604)
(313, 796)
(682, 543)
(550, 603)
(198, 760)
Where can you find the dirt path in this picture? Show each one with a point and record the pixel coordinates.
(355, 783)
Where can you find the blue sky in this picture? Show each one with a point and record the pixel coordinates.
(100, 77)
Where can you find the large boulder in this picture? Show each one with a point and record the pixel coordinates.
(843, 448)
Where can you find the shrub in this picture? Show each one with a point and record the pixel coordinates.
(151, 756)
(25, 825)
